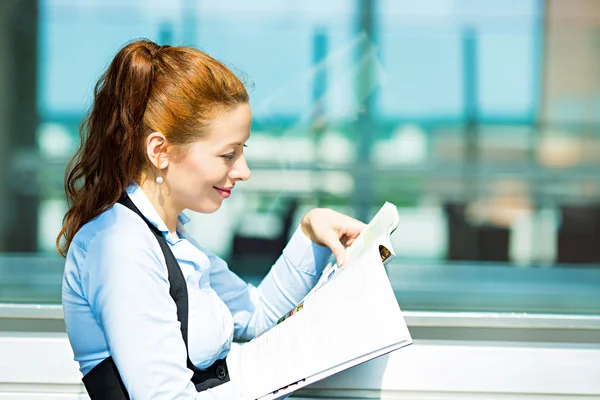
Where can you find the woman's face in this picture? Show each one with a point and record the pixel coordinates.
(206, 175)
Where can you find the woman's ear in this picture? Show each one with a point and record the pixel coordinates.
(156, 149)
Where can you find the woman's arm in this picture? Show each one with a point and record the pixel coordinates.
(126, 283)
(289, 280)
(293, 275)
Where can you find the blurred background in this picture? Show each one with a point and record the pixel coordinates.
(479, 119)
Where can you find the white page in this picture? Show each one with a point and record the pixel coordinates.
(335, 370)
(350, 316)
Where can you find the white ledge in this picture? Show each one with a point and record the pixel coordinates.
(413, 318)
(425, 370)
(501, 320)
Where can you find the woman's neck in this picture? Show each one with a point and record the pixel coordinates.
(162, 203)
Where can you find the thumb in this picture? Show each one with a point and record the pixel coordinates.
(340, 255)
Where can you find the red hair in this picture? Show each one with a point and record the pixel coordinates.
(146, 88)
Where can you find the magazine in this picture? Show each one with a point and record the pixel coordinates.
(349, 317)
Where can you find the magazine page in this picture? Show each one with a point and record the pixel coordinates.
(353, 315)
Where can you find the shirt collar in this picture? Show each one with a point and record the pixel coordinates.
(141, 201)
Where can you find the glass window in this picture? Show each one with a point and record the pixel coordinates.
(478, 119)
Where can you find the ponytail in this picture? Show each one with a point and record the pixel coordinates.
(110, 154)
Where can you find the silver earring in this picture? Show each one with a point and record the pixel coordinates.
(159, 179)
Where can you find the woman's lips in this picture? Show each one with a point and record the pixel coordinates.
(224, 192)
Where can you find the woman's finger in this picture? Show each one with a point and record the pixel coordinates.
(331, 239)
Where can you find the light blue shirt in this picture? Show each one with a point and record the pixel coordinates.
(116, 300)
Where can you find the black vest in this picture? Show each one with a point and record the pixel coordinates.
(103, 382)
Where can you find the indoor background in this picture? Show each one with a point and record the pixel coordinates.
(478, 119)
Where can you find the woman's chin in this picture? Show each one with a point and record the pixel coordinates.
(207, 207)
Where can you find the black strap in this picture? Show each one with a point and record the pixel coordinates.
(178, 288)
(104, 380)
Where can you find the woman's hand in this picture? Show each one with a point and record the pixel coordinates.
(332, 229)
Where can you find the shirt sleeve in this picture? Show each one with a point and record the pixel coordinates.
(292, 276)
(128, 290)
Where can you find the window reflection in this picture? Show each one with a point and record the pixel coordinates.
(477, 119)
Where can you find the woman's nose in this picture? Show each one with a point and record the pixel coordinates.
(240, 170)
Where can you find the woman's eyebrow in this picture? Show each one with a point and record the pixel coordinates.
(237, 143)
(229, 145)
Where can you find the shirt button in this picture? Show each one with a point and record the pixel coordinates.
(221, 374)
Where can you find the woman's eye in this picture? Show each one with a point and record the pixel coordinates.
(230, 156)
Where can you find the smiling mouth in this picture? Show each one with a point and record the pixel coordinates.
(225, 193)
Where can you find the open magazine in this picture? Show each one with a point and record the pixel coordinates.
(349, 317)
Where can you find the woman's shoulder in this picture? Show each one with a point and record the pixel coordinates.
(113, 228)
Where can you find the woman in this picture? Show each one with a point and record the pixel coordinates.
(149, 313)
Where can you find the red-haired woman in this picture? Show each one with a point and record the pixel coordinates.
(149, 313)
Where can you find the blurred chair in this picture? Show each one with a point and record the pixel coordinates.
(255, 255)
(579, 235)
(467, 242)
